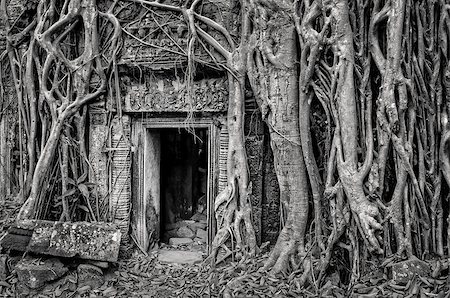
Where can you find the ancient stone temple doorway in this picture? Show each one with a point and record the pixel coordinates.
(176, 176)
(183, 170)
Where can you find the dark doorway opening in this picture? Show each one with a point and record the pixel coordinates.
(183, 184)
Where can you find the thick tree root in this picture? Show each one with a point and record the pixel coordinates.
(235, 225)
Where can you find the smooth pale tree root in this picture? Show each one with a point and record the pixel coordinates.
(235, 225)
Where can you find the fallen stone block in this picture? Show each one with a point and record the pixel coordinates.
(198, 240)
(16, 239)
(179, 224)
(404, 271)
(84, 240)
(179, 257)
(185, 232)
(99, 264)
(202, 234)
(199, 217)
(179, 241)
(90, 275)
(36, 272)
(199, 225)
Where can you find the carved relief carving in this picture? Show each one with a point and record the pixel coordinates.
(98, 135)
(120, 174)
(158, 39)
(209, 95)
(98, 118)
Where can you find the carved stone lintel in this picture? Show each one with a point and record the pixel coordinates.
(208, 95)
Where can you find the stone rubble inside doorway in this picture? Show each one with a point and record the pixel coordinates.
(184, 242)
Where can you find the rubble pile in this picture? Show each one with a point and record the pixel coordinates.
(186, 232)
(43, 256)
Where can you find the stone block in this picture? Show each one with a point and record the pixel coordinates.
(84, 240)
(179, 241)
(179, 256)
(404, 271)
(36, 272)
(179, 224)
(199, 225)
(99, 264)
(90, 275)
(16, 239)
(199, 217)
(185, 232)
(202, 234)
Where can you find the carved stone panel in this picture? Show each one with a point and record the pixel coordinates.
(223, 154)
(164, 95)
(120, 174)
(98, 134)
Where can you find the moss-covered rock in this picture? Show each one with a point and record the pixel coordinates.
(36, 272)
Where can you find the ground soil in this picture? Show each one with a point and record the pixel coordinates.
(140, 275)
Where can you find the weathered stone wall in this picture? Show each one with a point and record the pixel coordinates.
(98, 159)
(112, 169)
(255, 154)
(9, 132)
(110, 159)
(265, 190)
(166, 36)
(15, 8)
(9, 137)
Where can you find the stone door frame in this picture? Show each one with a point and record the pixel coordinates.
(217, 136)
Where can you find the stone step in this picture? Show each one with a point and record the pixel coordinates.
(179, 241)
(179, 256)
